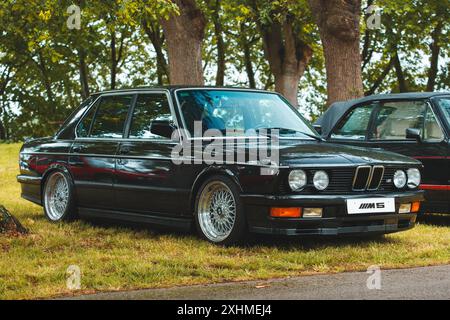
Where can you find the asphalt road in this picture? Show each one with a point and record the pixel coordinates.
(416, 283)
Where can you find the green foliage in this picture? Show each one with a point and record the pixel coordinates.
(41, 69)
(407, 28)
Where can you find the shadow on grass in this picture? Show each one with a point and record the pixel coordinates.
(439, 220)
(304, 243)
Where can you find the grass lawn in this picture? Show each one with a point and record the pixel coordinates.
(114, 258)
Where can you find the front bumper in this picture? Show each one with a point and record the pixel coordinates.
(335, 219)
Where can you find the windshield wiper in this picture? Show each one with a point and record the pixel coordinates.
(287, 130)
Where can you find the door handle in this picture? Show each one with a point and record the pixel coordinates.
(124, 150)
(77, 149)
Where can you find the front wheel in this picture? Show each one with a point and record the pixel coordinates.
(58, 199)
(219, 214)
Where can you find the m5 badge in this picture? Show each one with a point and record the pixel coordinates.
(371, 205)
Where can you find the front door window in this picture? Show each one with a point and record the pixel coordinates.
(149, 108)
(394, 118)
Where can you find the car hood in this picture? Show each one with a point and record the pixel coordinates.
(324, 153)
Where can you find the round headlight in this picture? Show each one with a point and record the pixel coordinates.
(321, 180)
(297, 179)
(414, 178)
(400, 179)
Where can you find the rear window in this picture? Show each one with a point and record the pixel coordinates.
(110, 117)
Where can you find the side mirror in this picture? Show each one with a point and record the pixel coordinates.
(162, 128)
(318, 128)
(415, 134)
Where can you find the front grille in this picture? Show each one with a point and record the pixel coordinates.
(377, 178)
(362, 177)
(347, 180)
(368, 178)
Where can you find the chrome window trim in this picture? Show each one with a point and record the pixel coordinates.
(188, 134)
(131, 92)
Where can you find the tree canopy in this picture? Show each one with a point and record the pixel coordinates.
(47, 68)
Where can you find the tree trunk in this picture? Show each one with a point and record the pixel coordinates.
(184, 34)
(382, 76)
(218, 33)
(5, 78)
(45, 79)
(247, 45)
(116, 57)
(2, 130)
(338, 23)
(156, 37)
(434, 59)
(288, 57)
(402, 84)
(249, 65)
(113, 70)
(84, 72)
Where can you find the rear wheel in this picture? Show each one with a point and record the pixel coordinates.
(58, 200)
(218, 212)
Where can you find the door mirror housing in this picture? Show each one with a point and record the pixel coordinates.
(415, 134)
(163, 128)
(318, 128)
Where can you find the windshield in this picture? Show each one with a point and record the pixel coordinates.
(233, 112)
(444, 104)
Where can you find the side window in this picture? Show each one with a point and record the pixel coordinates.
(432, 131)
(85, 125)
(149, 108)
(111, 115)
(394, 118)
(355, 124)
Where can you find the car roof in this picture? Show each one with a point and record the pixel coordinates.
(172, 88)
(398, 96)
(338, 109)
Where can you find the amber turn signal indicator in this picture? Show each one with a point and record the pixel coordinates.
(286, 212)
(415, 207)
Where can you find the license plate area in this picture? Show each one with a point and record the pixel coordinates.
(371, 205)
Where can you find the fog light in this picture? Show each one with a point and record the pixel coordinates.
(312, 213)
(415, 208)
(405, 208)
(286, 212)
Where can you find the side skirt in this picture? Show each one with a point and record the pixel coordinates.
(172, 222)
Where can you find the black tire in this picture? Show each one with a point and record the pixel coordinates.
(239, 230)
(69, 211)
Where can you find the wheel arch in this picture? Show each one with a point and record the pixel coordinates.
(207, 173)
(49, 171)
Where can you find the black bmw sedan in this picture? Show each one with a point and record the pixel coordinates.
(227, 161)
(413, 124)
